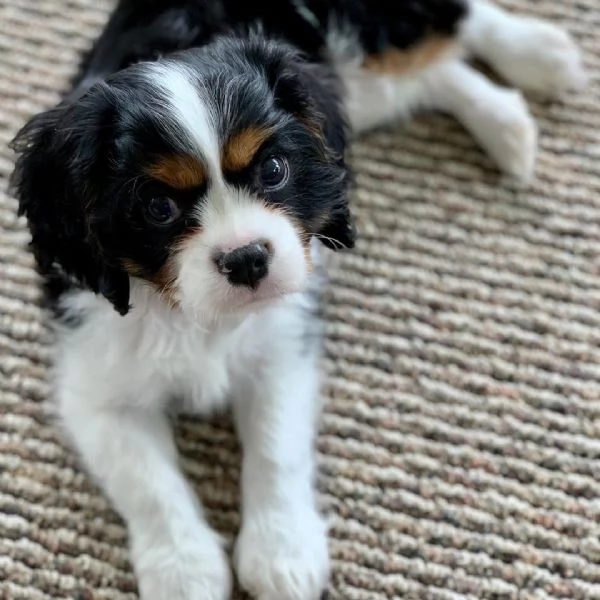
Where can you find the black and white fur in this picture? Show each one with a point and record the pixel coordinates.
(149, 309)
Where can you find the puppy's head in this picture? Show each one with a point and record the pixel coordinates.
(206, 175)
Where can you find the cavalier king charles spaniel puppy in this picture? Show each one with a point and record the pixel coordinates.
(176, 200)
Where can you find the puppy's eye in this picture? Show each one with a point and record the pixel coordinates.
(162, 210)
(274, 173)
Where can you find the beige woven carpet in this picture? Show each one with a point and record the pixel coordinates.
(460, 450)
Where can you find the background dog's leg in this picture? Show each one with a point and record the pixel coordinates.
(131, 453)
(281, 552)
(529, 53)
(373, 100)
(497, 117)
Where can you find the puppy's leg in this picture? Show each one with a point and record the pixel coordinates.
(529, 53)
(131, 453)
(497, 117)
(281, 552)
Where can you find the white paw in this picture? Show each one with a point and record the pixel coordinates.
(539, 57)
(198, 571)
(283, 556)
(508, 133)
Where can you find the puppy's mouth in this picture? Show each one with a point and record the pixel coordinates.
(262, 294)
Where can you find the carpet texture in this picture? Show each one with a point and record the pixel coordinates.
(460, 448)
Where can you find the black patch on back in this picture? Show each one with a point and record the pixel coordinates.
(146, 29)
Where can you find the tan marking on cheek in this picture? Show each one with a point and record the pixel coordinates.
(178, 171)
(404, 62)
(303, 235)
(165, 282)
(319, 222)
(308, 256)
(132, 268)
(241, 148)
(165, 279)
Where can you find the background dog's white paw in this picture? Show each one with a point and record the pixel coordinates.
(540, 57)
(508, 133)
(187, 572)
(283, 556)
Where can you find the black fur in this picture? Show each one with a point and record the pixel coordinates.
(79, 175)
(145, 29)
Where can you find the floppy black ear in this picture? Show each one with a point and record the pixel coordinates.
(340, 231)
(61, 160)
(312, 92)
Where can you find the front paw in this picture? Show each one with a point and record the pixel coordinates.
(283, 556)
(188, 571)
(508, 133)
(540, 57)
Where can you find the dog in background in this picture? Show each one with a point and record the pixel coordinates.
(176, 201)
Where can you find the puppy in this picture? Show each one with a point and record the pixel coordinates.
(176, 200)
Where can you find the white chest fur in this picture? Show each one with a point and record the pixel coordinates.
(156, 354)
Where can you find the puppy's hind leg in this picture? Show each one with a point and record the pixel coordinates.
(373, 100)
(497, 117)
(529, 53)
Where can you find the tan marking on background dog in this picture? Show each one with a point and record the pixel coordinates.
(178, 171)
(241, 148)
(404, 62)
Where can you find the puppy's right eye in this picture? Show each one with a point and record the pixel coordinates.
(162, 210)
(274, 173)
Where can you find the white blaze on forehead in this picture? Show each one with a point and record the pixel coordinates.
(192, 114)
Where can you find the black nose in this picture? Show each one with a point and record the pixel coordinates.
(246, 265)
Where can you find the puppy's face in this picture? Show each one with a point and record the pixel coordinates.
(205, 175)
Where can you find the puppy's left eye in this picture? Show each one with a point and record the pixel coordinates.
(162, 210)
(274, 173)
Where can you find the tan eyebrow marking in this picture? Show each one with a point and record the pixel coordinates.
(241, 148)
(179, 171)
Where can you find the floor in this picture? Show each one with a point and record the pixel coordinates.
(460, 448)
